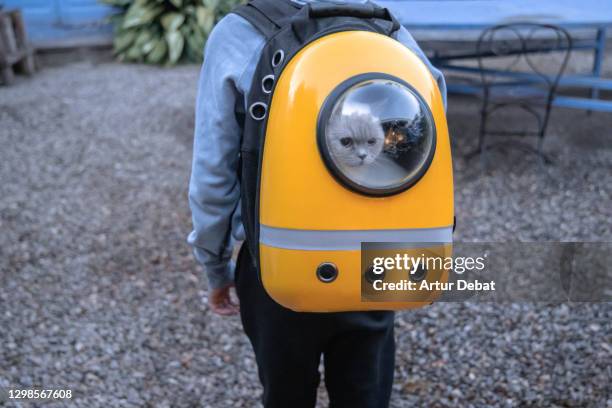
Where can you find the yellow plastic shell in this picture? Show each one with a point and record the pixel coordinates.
(298, 192)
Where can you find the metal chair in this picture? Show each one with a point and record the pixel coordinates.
(511, 78)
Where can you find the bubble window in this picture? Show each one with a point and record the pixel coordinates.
(376, 134)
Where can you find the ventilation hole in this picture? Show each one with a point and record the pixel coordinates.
(419, 274)
(327, 272)
(267, 83)
(278, 58)
(258, 110)
(371, 277)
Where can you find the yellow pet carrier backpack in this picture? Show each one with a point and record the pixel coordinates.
(345, 141)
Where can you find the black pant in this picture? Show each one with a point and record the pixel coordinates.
(358, 349)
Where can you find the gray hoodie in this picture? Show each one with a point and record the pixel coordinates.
(230, 57)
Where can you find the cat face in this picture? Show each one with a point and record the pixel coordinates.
(355, 140)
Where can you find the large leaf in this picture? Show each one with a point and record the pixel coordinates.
(149, 45)
(175, 42)
(197, 32)
(134, 53)
(143, 37)
(206, 18)
(177, 3)
(140, 13)
(211, 4)
(172, 21)
(124, 39)
(158, 54)
(195, 48)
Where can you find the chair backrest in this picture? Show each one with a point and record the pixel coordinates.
(513, 54)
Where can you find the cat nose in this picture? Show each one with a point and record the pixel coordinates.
(362, 156)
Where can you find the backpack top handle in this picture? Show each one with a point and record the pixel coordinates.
(366, 11)
(359, 10)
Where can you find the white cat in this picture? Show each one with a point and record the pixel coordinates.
(356, 142)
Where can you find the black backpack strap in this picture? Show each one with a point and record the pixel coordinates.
(276, 10)
(268, 16)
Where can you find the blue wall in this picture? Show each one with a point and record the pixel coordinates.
(64, 22)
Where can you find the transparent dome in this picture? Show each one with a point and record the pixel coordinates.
(378, 137)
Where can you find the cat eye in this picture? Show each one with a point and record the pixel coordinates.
(346, 141)
(371, 141)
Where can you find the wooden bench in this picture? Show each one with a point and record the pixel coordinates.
(15, 51)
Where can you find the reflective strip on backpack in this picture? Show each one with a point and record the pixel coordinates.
(318, 240)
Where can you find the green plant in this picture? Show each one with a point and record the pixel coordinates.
(164, 31)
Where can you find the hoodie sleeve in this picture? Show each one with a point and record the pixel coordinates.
(214, 190)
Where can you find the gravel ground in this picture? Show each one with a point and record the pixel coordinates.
(99, 292)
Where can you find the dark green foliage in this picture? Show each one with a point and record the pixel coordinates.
(164, 31)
